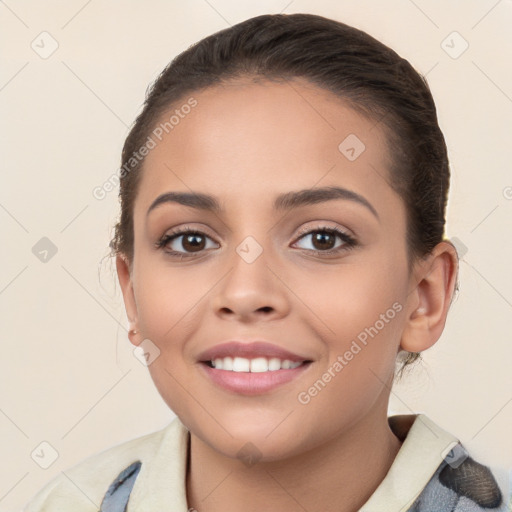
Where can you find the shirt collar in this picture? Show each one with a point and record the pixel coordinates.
(161, 484)
(424, 447)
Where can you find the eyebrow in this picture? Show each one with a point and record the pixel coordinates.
(286, 201)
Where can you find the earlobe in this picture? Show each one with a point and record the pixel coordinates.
(125, 281)
(431, 299)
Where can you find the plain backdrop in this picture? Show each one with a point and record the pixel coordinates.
(68, 376)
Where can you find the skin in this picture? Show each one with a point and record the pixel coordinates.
(245, 143)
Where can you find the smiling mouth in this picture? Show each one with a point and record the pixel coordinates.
(253, 365)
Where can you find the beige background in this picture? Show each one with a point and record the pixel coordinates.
(68, 375)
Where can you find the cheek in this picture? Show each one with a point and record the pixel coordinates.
(167, 299)
(355, 298)
(167, 302)
(362, 318)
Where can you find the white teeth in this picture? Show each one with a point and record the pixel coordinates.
(257, 365)
(240, 364)
(274, 364)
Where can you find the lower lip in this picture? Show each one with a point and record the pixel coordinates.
(253, 383)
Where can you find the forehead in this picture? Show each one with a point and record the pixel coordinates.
(246, 140)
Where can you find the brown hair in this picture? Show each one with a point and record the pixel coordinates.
(372, 78)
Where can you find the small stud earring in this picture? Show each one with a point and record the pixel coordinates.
(421, 310)
(133, 331)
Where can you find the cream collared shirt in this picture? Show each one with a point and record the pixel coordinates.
(160, 485)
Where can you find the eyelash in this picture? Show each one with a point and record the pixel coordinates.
(349, 241)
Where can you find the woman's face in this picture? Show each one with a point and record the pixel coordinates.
(264, 268)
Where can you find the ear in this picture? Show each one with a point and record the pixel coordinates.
(125, 280)
(431, 298)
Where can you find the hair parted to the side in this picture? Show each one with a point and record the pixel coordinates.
(369, 76)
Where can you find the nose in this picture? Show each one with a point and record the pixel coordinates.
(251, 290)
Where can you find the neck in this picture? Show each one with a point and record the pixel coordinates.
(339, 475)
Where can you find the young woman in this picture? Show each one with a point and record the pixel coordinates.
(281, 251)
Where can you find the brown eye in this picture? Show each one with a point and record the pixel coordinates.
(193, 242)
(324, 240)
(184, 243)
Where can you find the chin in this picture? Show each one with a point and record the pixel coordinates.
(252, 450)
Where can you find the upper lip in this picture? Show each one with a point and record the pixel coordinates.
(249, 350)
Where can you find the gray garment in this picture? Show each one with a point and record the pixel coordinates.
(118, 494)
